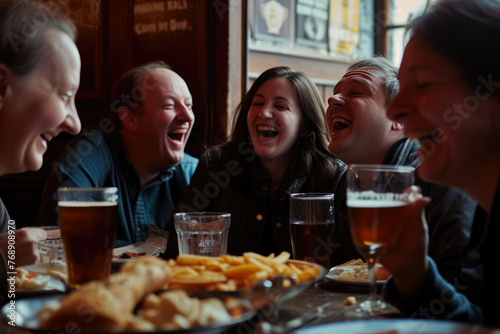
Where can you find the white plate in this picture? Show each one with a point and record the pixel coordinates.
(354, 283)
(54, 285)
(399, 326)
(140, 247)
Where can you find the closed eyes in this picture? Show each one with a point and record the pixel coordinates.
(66, 96)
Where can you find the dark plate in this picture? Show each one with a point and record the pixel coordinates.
(297, 289)
(27, 310)
(272, 290)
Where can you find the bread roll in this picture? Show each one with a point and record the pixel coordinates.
(107, 306)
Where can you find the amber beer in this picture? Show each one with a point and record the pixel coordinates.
(312, 241)
(88, 231)
(376, 224)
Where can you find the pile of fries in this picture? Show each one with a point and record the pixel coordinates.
(230, 273)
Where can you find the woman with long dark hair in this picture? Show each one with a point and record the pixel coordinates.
(279, 146)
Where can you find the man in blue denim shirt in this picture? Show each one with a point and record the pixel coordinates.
(141, 152)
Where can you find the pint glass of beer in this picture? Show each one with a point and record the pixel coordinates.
(312, 227)
(88, 221)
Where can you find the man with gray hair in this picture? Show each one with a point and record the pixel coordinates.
(361, 133)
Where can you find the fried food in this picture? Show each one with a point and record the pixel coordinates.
(229, 273)
(30, 281)
(357, 270)
(174, 309)
(107, 305)
(351, 300)
(356, 262)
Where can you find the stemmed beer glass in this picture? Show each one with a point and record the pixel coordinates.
(378, 198)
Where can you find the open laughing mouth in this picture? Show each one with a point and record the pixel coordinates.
(340, 123)
(46, 136)
(177, 134)
(267, 131)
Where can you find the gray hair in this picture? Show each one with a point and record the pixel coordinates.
(390, 74)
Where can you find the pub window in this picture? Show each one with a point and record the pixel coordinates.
(332, 29)
(399, 15)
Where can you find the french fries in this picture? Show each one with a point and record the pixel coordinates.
(230, 273)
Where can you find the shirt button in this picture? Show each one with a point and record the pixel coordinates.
(138, 229)
(265, 187)
(259, 217)
(278, 225)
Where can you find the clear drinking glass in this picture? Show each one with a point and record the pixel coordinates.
(202, 233)
(378, 198)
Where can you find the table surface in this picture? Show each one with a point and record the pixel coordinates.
(324, 302)
(321, 303)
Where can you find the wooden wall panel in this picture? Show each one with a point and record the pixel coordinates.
(115, 35)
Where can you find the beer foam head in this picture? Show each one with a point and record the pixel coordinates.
(371, 203)
(86, 204)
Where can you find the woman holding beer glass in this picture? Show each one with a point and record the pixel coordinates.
(378, 200)
(39, 77)
(450, 101)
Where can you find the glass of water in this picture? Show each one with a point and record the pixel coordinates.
(202, 233)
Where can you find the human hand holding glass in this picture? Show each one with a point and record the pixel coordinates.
(378, 199)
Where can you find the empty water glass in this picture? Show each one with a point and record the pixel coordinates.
(202, 233)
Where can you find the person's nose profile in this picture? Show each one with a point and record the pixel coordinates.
(185, 113)
(397, 111)
(72, 124)
(336, 100)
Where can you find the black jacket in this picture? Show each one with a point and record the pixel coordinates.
(449, 217)
(236, 183)
(481, 260)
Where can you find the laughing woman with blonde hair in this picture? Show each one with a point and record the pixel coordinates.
(39, 77)
(449, 100)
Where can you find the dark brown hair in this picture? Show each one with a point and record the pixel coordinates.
(465, 32)
(312, 142)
